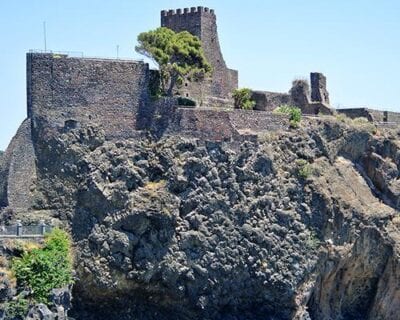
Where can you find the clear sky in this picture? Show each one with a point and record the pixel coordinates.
(355, 43)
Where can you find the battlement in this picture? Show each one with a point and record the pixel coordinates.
(186, 11)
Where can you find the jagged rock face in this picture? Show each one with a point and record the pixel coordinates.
(182, 228)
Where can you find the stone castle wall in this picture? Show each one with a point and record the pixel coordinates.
(202, 22)
(224, 125)
(98, 91)
(377, 116)
(18, 170)
(269, 101)
(164, 117)
(314, 102)
(22, 170)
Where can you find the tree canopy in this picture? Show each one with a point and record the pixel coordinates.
(178, 55)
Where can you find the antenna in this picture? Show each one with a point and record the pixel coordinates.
(117, 51)
(44, 36)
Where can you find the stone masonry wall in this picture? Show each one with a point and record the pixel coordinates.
(19, 170)
(202, 23)
(258, 121)
(319, 91)
(269, 101)
(99, 91)
(377, 116)
(299, 96)
(223, 125)
(393, 117)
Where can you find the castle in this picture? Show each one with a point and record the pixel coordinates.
(65, 92)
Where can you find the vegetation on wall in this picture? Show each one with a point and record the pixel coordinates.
(178, 56)
(293, 112)
(303, 169)
(243, 99)
(17, 308)
(40, 270)
(360, 123)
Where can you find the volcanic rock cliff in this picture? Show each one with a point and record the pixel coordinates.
(298, 224)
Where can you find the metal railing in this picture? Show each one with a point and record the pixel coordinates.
(20, 231)
(77, 54)
(80, 54)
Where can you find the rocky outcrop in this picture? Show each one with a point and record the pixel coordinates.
(298, 224)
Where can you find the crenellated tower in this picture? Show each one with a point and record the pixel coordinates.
(202, 22)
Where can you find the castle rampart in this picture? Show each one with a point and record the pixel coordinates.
(376, 116)
(98, 91)
(18, 170)
(316, 102)
(191, 10)
(202, 22)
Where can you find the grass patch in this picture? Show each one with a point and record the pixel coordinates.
(155, 185)
(360, 123)
(293, 112)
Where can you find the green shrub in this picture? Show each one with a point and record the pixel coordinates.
(186, 102)
(16, 309)
(293, 112)
(43, 269)
(312, 241)
(304, 169)
(243, 99)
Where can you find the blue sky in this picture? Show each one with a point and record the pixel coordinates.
(355, 43)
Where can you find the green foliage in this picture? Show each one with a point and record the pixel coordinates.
(178, 55)
(313, 242)
(155, 89)
(243, 99)
(43, 269)
(304, 169)
(186, 102)
(16, 309)
(293, 112)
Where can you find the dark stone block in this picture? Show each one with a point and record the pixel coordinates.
(319, 91)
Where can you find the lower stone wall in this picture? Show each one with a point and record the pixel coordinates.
(19, 171)
(356, 113)
(298, 97)
(207, 124)
(393, 117)
(217, 124)
(268, 101)
(377, 116)
(258, 120)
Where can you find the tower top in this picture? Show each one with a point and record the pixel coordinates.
(186, 11)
